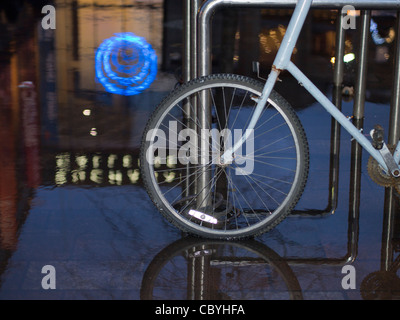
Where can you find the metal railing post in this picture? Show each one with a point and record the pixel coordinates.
(189, 61)
(339, 52)
(391, 201)
(394, 125)
(187, 45)
(356, 149)
(335, 127)
(189, 72)
(193, 13)
(390, 209)
(359, 99)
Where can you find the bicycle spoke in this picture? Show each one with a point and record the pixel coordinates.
(248, 177)
(244, 198)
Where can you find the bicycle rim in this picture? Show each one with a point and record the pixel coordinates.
(246, 197)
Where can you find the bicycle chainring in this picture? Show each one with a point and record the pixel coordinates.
(379, 176)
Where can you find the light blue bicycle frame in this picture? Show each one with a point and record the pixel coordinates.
(283, 62)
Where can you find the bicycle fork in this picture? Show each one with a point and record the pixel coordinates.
(382, 155)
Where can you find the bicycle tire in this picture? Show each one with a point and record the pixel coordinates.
(245, 213)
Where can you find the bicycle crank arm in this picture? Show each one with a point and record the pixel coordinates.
(389, 160)
(377, 136)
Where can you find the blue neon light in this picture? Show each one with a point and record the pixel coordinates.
(125, 64)
(378, 40)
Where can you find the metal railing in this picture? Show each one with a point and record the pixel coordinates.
(197, 62)
(201, 53)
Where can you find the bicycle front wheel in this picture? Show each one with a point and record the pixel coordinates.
(202, 195)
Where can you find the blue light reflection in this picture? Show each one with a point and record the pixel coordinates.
(125, 64)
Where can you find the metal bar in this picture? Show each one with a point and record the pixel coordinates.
(335, 126)
(187, 30)
(354, 194)
(322, 4)
(359, 99)
(186, 74)
(339, 51)
(390, 210)
(209, 7)
(394, 125)
(356, 149)
(189, 61)
(194, 9)
(202, 112)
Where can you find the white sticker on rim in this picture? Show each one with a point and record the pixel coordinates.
(203, 216)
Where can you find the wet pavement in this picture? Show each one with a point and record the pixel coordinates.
(71, 195)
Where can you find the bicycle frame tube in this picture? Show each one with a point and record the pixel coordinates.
(336, 113)
(282, 62)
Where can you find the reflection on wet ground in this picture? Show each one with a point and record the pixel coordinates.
(71, 194)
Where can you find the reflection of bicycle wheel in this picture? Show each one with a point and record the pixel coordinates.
(203, 195)
(193, 269)
(380, 285)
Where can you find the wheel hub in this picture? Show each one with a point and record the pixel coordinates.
(224, 161)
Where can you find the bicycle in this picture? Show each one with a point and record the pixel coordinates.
(210, 193)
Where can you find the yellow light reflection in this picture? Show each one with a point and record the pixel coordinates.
(96, 161)
(62, 168)
(134, 175)
(111, 160)
(127, 161)
(96, 175)
(169, 176)
(115, 177)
